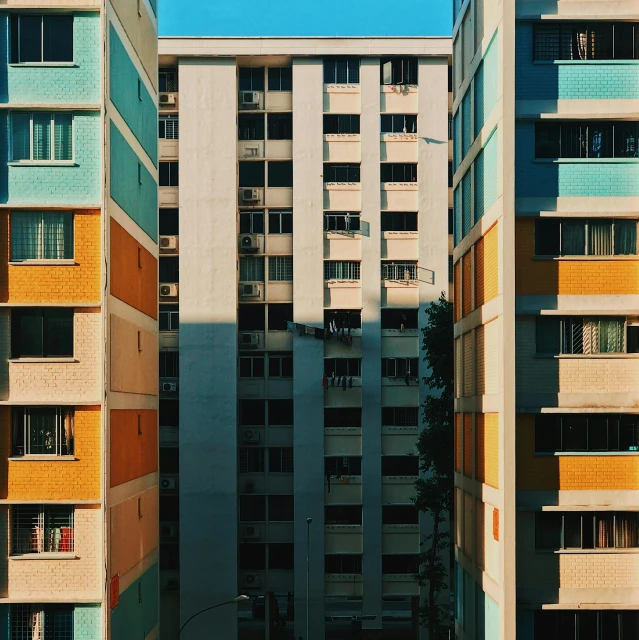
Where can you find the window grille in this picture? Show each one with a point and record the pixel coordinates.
(43, 431)
(343, 563)
(580, 336)
(251, 269)
(251, 459)
(341, 270)
(168, 80)
(169, 364)
(341, 71)
(41, 622)
(341, 221)
(280, 460)
(399, 271)
(280, 268)
(169, 127)
(41, 235)
(400, 416)
(41, 136)
(399, 367)
(41, 529)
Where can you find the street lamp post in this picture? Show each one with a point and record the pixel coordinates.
(240, 598)
(308, 573)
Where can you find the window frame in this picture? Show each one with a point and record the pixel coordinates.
(353, 65)
(279, 78)
(341, 121)
(15, 47)
(45, 537)
(68, 258)
(353, 269)
(286, 458)
(403, 71)
(251, 360)
(21, 422)
(50, 161)
(280, 215)
(352, 223)
(164, 119)
(352, 171)
(171, 164)
(402, 367)
(260, 85)
(280, 268)
(393, 116)
(170, 313)
(285, 359)
(45, 313)
(252, 215)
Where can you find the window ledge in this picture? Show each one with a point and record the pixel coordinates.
(585, 62)
(634, 550)
(45, 556)
(542, 454)
(634, 257)
(42, 163)
(37, 360)
(43, 263)
(593, 356)
(585, 160)
(44, 64)
(43, 458)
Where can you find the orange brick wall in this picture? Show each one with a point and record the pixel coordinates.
(80, 282)
(133, 451)
(569, 473)
(458, 446)
(468, 444)
(57, 479)
(487, 448)
(134, 272)
(467, 283)
(457, 290)
(564, 277)
(487, 267)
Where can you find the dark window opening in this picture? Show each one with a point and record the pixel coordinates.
(281, 509)
(400, 514)
(341, 172)
(348, 221)
(400, 465)
(251, 78)
(280, 460)
(343, 466)
(280, 221)
(169, 174)
(280, 78)
(250, 126)
(398, 172)
(398, 70)
(169, 460)
(167, 79)
(343, 417)
(400, 367)
(343, 366)
(280, 174)
(341, 70)
(398, 123)
(343, 514)
(400, 416)
(169, 317)
(279, 315)
(341, 123)
(169, 414)
(169, 270)
(280, 126)
(251, 174)
(251, 366)
(343, 319)
(251, 222)
(169, 220)
(252, 413)
(280, 365)
(169, 508)
(280, 412)
(399, 318)
(399, 221)
(251, 317)
(280, 556)
(252, 557)
(41, 38)
(169, 364)
(343, 563)
(400, 563)
(41, 333)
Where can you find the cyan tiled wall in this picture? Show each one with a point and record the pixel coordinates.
(457, 215)
(569, 178)
(486, 84)
(78, 184)
(466, 203)
(456, 141)
(87, 622)
(132, 619)
(138, 198)
(466, 136)
(486, 177)
(568, 80)
(130, 97)
(50, 84)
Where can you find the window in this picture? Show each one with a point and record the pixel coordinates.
(169, 553)
(251, 366)
(342, 221)
(587, 530)
(343, 514)
(169, 222)
(279, 315)
(280, 126)
(450, 126)
(252, 508)
(250, 126)
(42, 431)
(451, 223)
(251, 268)
(280, 509)
(251, 79)
(343, 417)
(400, 367)
(400, 416)
(401, 563)
(252, 556)
(280, 221)
(398, 123)
(580, 336)
(281, 556)
(41, 333)
(451, 269)
(169, 270)
(399, 270)
(41, 622)
(169, 414)
(280, 174)
(251, 459)
(343, 466)
(280, 78)
(343, 318)
(251, 174)
(450, 174)
(399, 319)
(586, 432)
(41, 529)
(252, 413)
(586, 625)
(41, 38)
(169, 508)
(251, 317)
(595, 237)
(586, 139)
(41, 235)
(341, 70)
(398, 221)
(347, 123)
(341, 270)
(343, 563)
(400, 514)
(169, 317)
(343, 366)
(41, 136)
(280, 365)
(280, 269)
(280, 459)
(341, 172)
(396, 172)
(168, 127)
(280, 412)
(586, 41)
(167, 80)
(251, 222)
(169, 460)
(400, 465)
(169, 364)
(169, 174)
(398, 70)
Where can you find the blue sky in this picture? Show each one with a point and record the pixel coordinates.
(305, 17)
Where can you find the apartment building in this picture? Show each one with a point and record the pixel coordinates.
(78, 320)
(305, 199)
(546, 270)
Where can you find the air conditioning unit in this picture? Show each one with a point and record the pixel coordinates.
(251, 151)
(168, 291)
(168, 244)
(170, 583)
(167, 99)
(168, 483)
(251, 436)
(252, 581)
(250, 98)
(169, 387)
(251, 532)
(250, 194)
(248, 243)
(250, 290)
(249, 487)
(168, 531)
(249, 340)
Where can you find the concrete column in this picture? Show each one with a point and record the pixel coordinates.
(308, 353)
(208, 308)
(371, 344)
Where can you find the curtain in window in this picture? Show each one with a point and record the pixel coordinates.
(21, 136)
(625, 237)
(17, 436)
(251, 269)
(604, 530)
(626, 530)
(579, 43)
(55, 232)
(573, 238)
(68, 426)
(41, 136)
(611, 335)
(26, 235)
(600, 238)
(63, 136)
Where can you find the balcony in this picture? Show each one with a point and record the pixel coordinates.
(346, 490)
(342, 98)
(168, 197)
(400, 538)
(398, 245)
(398, 147)
(342, 196)
(343, 538)
(398, 98)
(399, 196)
(168, 149)
(342, 147)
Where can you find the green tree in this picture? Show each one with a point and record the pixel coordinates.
(434, 490)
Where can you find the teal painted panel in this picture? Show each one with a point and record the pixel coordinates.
(50, 84)
(154, 6)
(5, 621)
(459, 593)
(469, 602)
(137, 612)
(77, 184)
(456, 140)
(486, 84)
(491, 618)
(130, 97)
(486, 176)
(87, 622)
(466, 203)
(132, 186)
(457, 217)
(466, 136)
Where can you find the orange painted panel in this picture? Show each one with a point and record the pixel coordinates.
(457, 290)
(467, 282)
(569, 277)
(468, 444)
(134, 272)
(487, 267)
(77, 479)
(480, 448)
(78, 282)
(496, 524)
(134, 444)
(458, 445)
